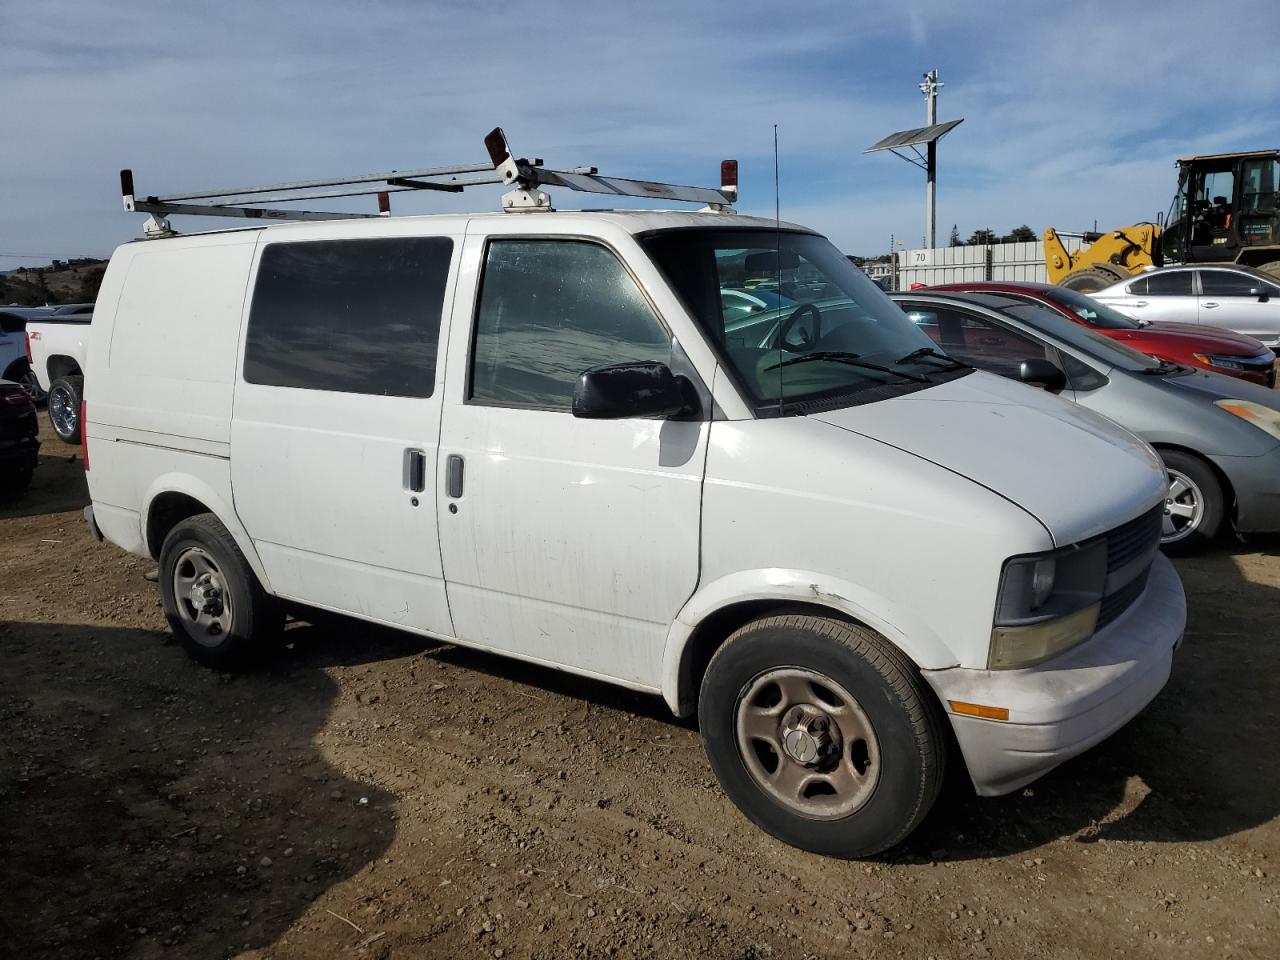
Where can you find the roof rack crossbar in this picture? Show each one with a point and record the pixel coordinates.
(331, 182)
(526, 176)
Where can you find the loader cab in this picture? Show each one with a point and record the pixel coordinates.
(1224, 209)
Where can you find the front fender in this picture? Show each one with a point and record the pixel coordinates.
(201, 490)
(899, 626)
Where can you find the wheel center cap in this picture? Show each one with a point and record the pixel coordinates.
(800, 746)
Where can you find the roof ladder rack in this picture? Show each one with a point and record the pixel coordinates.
(527, 176)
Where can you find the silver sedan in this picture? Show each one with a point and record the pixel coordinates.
(1219, 436)
(1225, 296)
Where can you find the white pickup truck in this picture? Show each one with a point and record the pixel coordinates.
(58, 344)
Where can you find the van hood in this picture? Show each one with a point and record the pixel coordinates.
(1075, 471)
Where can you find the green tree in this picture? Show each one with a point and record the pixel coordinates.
(980, 237)
(955, 236)
(1022, 233)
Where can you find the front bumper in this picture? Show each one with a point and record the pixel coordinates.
(1061, 708)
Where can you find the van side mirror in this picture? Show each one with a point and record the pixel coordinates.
(627, 390)
(1040, 372)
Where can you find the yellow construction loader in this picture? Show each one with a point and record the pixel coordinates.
(1225, 211)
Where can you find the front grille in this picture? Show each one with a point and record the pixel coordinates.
(1122, 599)
(1132, 539)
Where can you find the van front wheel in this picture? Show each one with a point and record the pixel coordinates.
(822, 733)
(212, 600)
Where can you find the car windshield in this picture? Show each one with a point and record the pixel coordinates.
(828, 336)
(1091, 311)
(1101, 347)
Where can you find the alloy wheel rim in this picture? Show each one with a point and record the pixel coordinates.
(31, 383)
(807, 743)
(1183, 508)
(62, 412)
(201, 596)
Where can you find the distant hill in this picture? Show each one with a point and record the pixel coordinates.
(62, 281)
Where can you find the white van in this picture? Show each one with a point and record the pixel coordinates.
(553, 436)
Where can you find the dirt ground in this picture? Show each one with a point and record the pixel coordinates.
(377, 795)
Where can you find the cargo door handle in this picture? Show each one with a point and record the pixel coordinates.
(1208, 306)
(415, 470)
(453, 475)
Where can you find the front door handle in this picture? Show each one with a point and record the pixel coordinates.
(415, 470)
(1141, 303)
(453, 472)
(1208, 306)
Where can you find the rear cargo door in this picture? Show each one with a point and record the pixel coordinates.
(336, 425)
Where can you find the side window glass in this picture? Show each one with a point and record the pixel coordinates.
(1080, 375)
(983, 343)
(1224, 283)
(551, 309)
(352, 316)
(1174, 284)
(1138, 287)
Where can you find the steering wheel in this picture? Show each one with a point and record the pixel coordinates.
(784, 328)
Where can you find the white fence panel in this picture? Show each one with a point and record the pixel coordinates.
(997, 261)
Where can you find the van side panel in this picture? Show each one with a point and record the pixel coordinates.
(174, 334)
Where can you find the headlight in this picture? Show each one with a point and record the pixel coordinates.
(1225, 363)
(1264, 418)
(1047, 603)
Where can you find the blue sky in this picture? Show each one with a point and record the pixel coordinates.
(1071, 113)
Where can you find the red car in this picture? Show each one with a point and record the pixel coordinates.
(1189, 344)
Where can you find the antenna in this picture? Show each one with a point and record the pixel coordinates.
(777, 260)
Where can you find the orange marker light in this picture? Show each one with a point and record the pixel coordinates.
(978, 710)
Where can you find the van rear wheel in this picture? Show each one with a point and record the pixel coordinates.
(212, 600)
(822, 733)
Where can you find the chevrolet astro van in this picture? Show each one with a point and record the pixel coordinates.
(561, 437)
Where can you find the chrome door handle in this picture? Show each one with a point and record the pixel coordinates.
(1141, 303)
(453, 475)
(415, 470)
(1208, 306)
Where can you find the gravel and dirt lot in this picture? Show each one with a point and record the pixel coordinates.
(376, 795)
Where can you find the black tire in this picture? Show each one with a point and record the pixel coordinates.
(1206, 489)
(1094, 278)
(254, 619)
(902, 712)
(65, 397)
(14, 483)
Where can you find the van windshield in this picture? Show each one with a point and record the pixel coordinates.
(795, 322)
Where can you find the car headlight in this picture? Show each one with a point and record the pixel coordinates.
(1264, 418)
(1225, 363)
(1048, 602)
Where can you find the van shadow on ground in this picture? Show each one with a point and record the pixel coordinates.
(1197, 764)
(150, 807)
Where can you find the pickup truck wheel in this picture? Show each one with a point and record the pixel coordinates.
(65, 395)
(212, 600)
(822, 733)
(1193, 507)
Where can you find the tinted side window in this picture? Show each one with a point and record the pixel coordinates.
(1175, 284)
(12, 323)
(355, 316)
(1224, 283)
(551, 309)
(1081, 376)
(1138, 287)
(983, 343)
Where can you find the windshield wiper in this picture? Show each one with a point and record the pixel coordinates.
(853, 359)
(928, 353)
